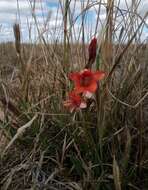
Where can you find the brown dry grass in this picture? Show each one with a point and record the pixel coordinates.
(43, 83)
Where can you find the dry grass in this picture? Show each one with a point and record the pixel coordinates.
(43, 146)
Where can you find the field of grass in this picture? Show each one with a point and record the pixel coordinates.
(45, 146)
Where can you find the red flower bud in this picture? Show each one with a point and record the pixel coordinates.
(92, 50)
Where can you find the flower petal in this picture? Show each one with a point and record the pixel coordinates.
(98, 75)
(92, 87)
(88, 94)
(79, 89)
(74, 76)
(86, 71)
(83, 105)
(67, 103)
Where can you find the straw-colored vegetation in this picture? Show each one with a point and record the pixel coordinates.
(102, 147)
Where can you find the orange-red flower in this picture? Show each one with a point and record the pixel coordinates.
(74, 102)
(86, 80)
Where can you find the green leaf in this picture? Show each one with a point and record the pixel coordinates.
(98, 61)
(77, 165)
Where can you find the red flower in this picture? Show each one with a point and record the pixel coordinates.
(92, 50)
(86, 81)
(74, 102)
